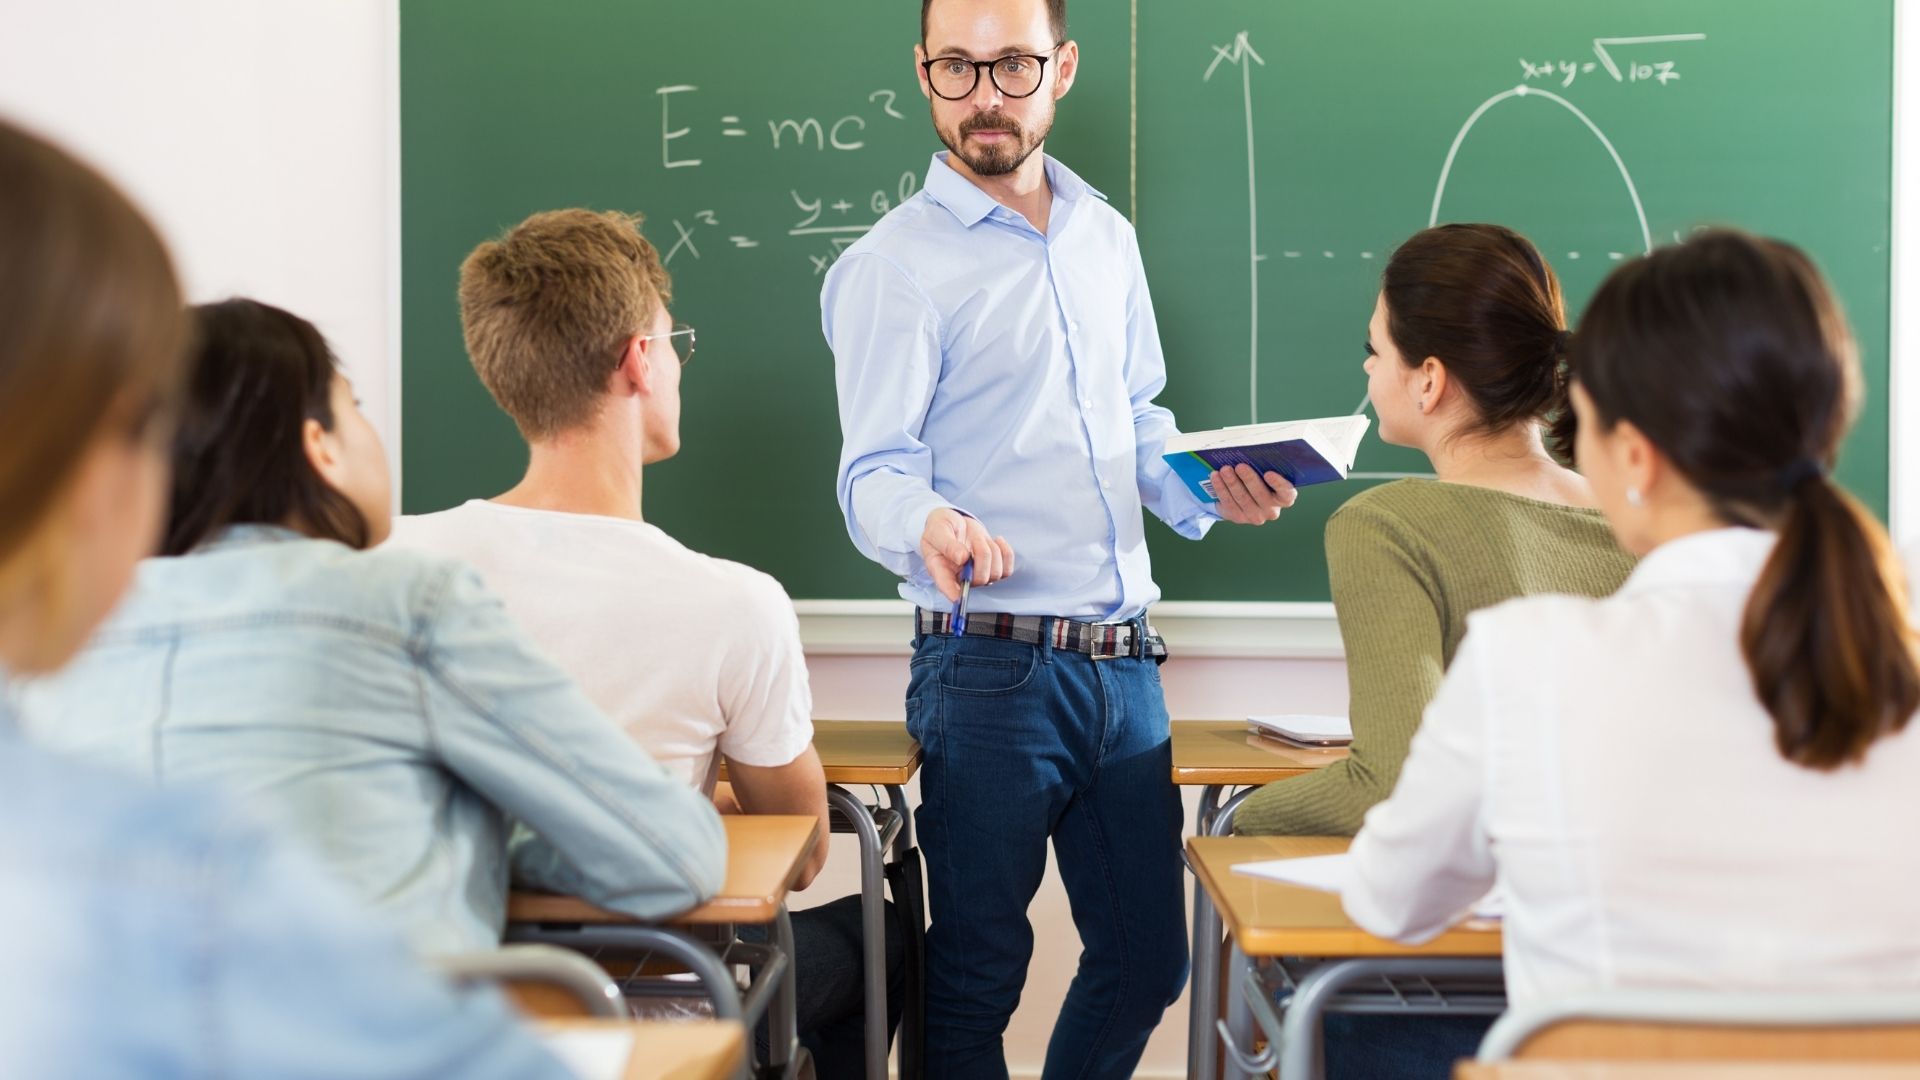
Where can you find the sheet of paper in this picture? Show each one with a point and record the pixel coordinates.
(590, 1053)
(1332, 873)
(1328, 873)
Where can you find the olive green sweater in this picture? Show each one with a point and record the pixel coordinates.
(1408, 562)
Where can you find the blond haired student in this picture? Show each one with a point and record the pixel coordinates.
(1464, 364)
(696, 659)
(154, 933)
(1703, 780)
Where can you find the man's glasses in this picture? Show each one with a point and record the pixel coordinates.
(1016, 76)
(683, 350)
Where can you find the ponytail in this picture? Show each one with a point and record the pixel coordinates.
(1561, 426)
(1731, 355)
(1826, 632)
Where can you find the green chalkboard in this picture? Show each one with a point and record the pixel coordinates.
(1270, 155)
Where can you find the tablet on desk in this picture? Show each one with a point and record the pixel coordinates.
(1302, 729)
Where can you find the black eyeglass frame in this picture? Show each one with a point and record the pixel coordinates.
(927, 67)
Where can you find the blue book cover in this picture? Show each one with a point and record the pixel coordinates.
(1304, 451)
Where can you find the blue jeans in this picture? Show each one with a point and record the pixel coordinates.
(1024, 744)
(1363, 1046)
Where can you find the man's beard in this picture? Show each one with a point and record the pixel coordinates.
(1000, 158)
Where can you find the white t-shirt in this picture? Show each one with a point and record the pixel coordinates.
(689, 653)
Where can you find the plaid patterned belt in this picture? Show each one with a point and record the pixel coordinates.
(1102, 641)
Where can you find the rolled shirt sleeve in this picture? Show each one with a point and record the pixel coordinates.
(885, 338)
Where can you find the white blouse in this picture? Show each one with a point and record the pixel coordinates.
(1607, 764)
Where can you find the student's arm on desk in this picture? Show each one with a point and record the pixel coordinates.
(609, 824)
(798, 787)
(1390, 626)
(1424, 857)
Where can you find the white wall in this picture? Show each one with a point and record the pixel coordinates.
(256, 134)
(260, 136)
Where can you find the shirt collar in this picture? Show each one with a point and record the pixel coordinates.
(1731, 556)
(969, 204)
(245, 536)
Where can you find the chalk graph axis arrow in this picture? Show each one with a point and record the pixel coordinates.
(1240, 52)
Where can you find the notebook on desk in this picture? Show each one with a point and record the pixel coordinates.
(1302, 729)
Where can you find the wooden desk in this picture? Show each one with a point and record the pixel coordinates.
(866, 751)
(1270, 918)
(1216, 755)
(1682, 1071)
(862, 752)
(694, 1050)
(1456, 973)
(1225, 753)
(764, 854)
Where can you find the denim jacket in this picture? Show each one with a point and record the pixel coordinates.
(383, 705)
(154, 935)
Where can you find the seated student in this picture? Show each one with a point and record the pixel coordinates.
(1703, 781)
(381, 701)
(1463, 363)
(694, 657)
(154, 933)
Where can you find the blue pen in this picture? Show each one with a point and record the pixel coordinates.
(960, 605)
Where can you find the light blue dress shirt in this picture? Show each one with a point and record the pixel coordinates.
(1009, 374)
(154, 935)
(382, 706)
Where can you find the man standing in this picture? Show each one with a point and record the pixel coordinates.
(996, 359)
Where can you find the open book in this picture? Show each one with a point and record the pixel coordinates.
(1303, 451)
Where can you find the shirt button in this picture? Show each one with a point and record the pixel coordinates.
(1105, 486)
(1087, 404)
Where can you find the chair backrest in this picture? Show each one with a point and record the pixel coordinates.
(1704, 1026)
(541, 980)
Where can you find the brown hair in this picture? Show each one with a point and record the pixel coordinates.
(1733, 358)
(91, 336)
(1482, 300)
(548, 307)
(240, 455)
(1056, 19)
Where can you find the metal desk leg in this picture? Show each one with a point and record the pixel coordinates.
(873, 926)
(1456, 986)
(1237, 1028)
(783, 1037)
(897, 799)
(691, 953)
(1203, 987)
(1203, 1001)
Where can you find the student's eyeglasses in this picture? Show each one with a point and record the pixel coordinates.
(955, 77)
(682, 350)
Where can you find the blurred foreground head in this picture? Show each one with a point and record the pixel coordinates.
(92, 336)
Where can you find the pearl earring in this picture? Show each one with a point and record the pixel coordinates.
(1634, 497)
